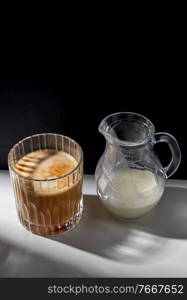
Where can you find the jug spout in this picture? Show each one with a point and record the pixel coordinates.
(106, 130)
(126, 129)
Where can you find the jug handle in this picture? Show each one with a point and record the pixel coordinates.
(163, 137)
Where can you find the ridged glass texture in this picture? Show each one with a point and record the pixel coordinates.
(60, 208)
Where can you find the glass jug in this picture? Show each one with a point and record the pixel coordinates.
(130, 179)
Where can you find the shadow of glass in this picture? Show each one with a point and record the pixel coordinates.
(139, 241)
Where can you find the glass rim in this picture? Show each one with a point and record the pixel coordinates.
(11, 165)
(103, 128)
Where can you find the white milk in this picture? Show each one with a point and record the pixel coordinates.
(132, 193)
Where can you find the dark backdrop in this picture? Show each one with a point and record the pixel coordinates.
(47, 99)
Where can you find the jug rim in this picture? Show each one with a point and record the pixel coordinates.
(104, 128)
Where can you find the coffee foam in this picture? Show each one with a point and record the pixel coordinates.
(45, 164)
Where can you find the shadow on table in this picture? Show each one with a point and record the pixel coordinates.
(17, 261)
(135, 241)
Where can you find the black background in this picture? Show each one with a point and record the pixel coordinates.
(49, 92)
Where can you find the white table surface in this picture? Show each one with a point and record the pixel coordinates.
(100, 246)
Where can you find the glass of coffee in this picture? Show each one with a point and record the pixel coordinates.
(46, 172)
